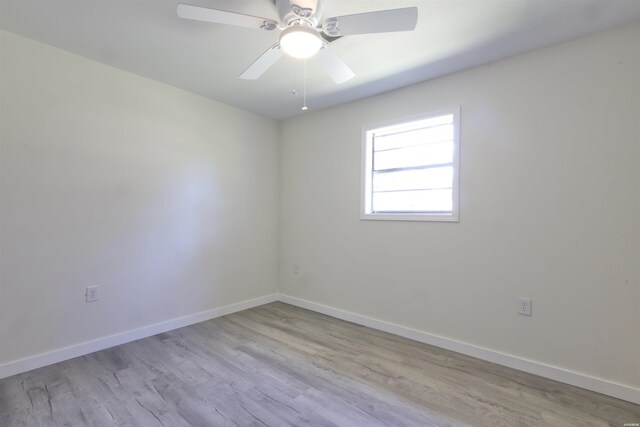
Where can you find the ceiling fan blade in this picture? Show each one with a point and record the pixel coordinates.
(263, 63)
(197, 13)
(333, 65)
(382, 21)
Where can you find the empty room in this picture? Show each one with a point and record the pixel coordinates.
(319, 213)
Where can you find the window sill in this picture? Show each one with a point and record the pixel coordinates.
(410, 217)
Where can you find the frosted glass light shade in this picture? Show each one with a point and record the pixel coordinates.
(300, 42)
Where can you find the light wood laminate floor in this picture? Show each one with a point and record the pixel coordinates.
(279, 365)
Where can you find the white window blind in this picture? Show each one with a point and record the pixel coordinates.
(410, 168)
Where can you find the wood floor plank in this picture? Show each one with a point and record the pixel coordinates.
(279, 365)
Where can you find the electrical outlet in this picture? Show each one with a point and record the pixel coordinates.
(524, 306)
(92, 293)
(296, 269)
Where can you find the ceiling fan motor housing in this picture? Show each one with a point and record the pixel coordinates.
(292, 10)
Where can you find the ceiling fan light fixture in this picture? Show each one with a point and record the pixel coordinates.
(300, 41)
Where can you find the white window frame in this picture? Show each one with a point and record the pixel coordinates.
(367, 165)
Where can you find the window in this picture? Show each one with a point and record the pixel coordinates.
(410, 168)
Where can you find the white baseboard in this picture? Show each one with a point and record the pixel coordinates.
(566, 376)
(598, 385)
(59, 355)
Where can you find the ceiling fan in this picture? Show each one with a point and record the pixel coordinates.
(302, 36)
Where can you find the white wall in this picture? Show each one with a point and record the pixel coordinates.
(550, 209)
(166, 200)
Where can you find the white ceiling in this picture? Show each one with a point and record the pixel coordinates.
(147, 38)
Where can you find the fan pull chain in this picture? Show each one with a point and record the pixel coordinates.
(293, 91)
(304, 89)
